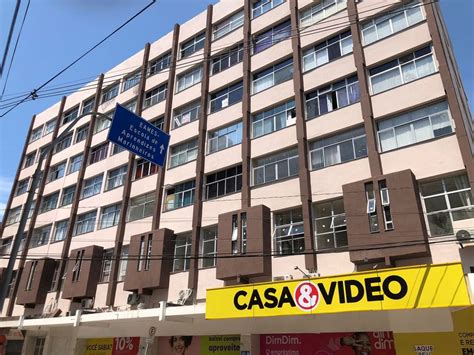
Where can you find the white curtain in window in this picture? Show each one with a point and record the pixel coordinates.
(370, 35)
(422, 130)
(322, 57)
(440, 121)
(386, 80)
(399, 22)
(346, 45)
(384, 29)
(404, 135)
(425, 66)
(409, 72)
(414, 15)
(309, 62)
(262, 83)
(331, 155)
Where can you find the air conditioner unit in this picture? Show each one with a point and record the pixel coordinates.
(133, 299)
(87, 303)
(282, 278)
(464, 236)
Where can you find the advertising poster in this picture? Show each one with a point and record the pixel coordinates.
(199, 345)
(113, 346)
(357, 343)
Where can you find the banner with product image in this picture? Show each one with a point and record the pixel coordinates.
(199, 345)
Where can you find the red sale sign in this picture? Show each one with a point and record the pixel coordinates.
(357, 343)
(126, 346)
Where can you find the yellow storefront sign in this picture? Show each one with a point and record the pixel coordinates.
(101, 346)
(422, 286)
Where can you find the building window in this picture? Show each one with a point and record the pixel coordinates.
(289, 232)
(67, 195)
(183, 153)
(141, 207)
(85, 223)
(327, 51)
(81, 133)
(158, 123)
(49, 203)
(60, 230)
(11, 284)
(39, 345)
(106, 268)
(75, 163)
(70, 115)
(49, 127)
(32, 209)
(228, 25)
(272, 76)
(392, 22)
(123, 264)
(259, 7)
(31, 275)
(180, 195)
(182, 253)
(186, 114)
(338, 149)
(99, 153)
(448, 204)
(402, 70)
(57, 171)
(29, 159)
(41, 236)
(158, 64)
(224, 138)
(144, 257)
(188, 79)
(193, 45)
(413, 127)
(42, 152)
(332, 97)
(102, 123)
(5, 246)
(372, 208)
(109, 216)
(88, 105)
(131, 106)
(385, 201)
(144, 168)
(275, 167)
(92, 186)
(131, 81)
(273, 119)
(116, 178)
(273, 36)
(154, 96)
(226, 97)
(228, 59)
(323, 9)
(36, 133)
(224, 182)
(110, 92)
(64, 143)
(117, 149)
(330, 224)
(76, 271)
(209, 247)
(22, 186)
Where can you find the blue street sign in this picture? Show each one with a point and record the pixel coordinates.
(138, 136)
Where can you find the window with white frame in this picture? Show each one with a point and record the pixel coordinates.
(155, 95)
(223, 182)
(57, 171)
(158, 64)
(110, 92)
(141, 207)
(60, 230)
(158, 122)
(188, 79)
(385, 201)
(39, 345)
(260, 7)
(31, 275)
(109, 216)
(75, 163)
(70, 115)
(193, 45)
(67, 195)
(81, 133)
(226, 97)
(225, 137)
(49, 127)
(413, 127)
(22, 186)
(412, 66)
(76, 271)
(323, 9)
(32, 209)
(11, 285)
(272, 76)
(92, 186)
(98, 153)
(36, 133)
(180, 195)
(273, 119)
(116, 178)
(183, 153)
(182, 253)
(131, 106)
(85, 223)
(270, 37)
(102, 123)
(88, 105)
(41, 236)
(372, 213)
(395, 21)
(330, 224)
(275, 167)
(227, 59)
(327, 51)
(123, 264)
(49, 203)
(29, 159)
(144, 168)
(186, 114)
(54, 280)
(332, 97)
(64, 143)
(116, 149)
(288, 232)
(449, 205)
(337, 149)
(209, 247)
(144, 256)
(228, 25)
(106, 267)
(131, 81)
(5, 246)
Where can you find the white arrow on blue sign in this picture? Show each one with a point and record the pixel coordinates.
(138, 136)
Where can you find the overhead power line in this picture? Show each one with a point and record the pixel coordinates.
(10, 34)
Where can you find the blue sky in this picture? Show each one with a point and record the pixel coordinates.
(56, 32)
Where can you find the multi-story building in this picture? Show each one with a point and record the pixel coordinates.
(308, 139)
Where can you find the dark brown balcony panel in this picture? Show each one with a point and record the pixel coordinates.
(404, 237)
(35, 282)
(147, 272)
(2, 274)
(252, 259)
(83, 272)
